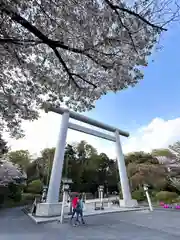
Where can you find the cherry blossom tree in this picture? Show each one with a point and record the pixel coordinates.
(175, 148)
(10, 173)
(3, 146)
(73, 51)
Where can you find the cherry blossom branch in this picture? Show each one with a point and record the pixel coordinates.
(127, 29)
(116, 7)
(65, 67)
(79, 76)
(43, 39)
(51, 43)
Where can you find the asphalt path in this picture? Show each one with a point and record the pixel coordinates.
(158, 225)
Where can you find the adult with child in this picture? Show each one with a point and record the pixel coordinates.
(79, 210)
(77, 205)
(74, 206)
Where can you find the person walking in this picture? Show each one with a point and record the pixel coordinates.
(74, 206)
(34, 207)
(79, 210)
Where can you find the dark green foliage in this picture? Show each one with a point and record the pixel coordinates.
(2, 198)
(35, 186)
(21, 157)
(139, 195)
(167, 197)
(15, 192)
(88, 170)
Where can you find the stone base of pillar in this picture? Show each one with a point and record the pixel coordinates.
(128, 203)
(49, 209)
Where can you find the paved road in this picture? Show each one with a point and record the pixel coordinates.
(159, 225)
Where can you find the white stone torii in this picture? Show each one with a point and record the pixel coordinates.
(56, 173)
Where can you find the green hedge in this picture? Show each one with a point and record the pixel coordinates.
(27, 199)
(139, 195)
(35, 186)
(13, 196)
(167, 197)
(30, 196)
(15, 192)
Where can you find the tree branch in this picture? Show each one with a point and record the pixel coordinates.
(24, 41)
(23, 22)
(19, 41)
(115, 7)
(68, 71)
(127, 29)
(79, 76)
(65, 67)
(51, 43)
(80, 51)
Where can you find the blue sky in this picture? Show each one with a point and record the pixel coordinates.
(157, 95)
(150, 111)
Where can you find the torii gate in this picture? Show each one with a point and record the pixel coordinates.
(56, 173)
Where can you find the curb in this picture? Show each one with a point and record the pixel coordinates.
(57, 219)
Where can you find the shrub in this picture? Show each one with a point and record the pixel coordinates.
(15, 192)
(167, 197)
(3, 194)
(35, 186)
(139, 195)
(28, 198)
(2, 197)
(17, 196)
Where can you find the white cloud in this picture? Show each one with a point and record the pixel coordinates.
(157, 134)
(44, 133)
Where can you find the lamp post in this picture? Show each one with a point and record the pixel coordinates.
(101, 190)
(65, 190)
(68, 181)
(44, 194)
(148, 197)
